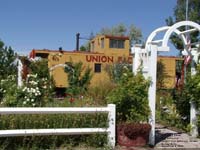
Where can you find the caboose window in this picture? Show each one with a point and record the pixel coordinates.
(116, 43)
(97, 68)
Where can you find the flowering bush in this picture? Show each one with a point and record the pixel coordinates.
(31, 93)
(35, 91)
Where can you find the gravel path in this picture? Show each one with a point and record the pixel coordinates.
(168, 139)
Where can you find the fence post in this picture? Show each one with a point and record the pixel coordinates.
(111, 129)
(193, 120)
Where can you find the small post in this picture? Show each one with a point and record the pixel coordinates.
(193, 120)
(19, 73)
(111, 128)
(193, 110)
(136, 59)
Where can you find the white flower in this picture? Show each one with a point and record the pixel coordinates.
(28, 90)
(125, 67)
(32, 100)
(124, 74)
(33, 90)
(24, 102)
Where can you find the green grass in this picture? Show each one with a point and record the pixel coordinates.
(55, 121)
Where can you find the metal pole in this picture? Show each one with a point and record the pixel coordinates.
(187, 37)
(152, 92)
(186, 11)
(77, 41)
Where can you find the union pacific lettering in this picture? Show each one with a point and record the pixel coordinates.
(97, 58)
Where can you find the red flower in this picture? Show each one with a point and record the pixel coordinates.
(71, 100)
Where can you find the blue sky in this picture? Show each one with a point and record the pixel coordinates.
(50, 24)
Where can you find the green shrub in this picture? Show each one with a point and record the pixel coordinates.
(131, 97)
(8, 91)
(99, 92)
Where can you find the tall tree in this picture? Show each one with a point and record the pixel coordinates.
(132, 31)
(7, 57)
(180, 15)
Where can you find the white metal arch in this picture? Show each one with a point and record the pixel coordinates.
(154, 33)
(164, 29)
(173, 28)
(153, 46)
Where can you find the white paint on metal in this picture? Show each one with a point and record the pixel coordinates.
(189, 31)
(152, 92)
(150, 39)
(193, 120)
(154, 33)
(112, 124)
(174, 27)
(60, 131)
(51, 110)
(136, 59)
(61, 110)
(19, 72)
(59, 65)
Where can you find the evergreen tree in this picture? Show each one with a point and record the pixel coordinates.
(78, 78)
(7, 57)
(179, 15)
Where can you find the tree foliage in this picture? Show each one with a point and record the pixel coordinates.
(7, 57)
(78, 78)
(193, 87)
(132, 31)
(190, 92)
(179, 15)
(116, 70)
(40, 67)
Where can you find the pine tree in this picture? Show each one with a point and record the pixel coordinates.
(7, 57)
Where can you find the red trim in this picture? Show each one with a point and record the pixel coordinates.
(32, 54)
(170, 57)
(117, 37)
(57, 51)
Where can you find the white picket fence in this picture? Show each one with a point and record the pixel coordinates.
(110, 109)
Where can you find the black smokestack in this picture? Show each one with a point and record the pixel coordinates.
(77, 41)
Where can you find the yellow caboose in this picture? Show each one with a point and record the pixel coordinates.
(104, 50)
